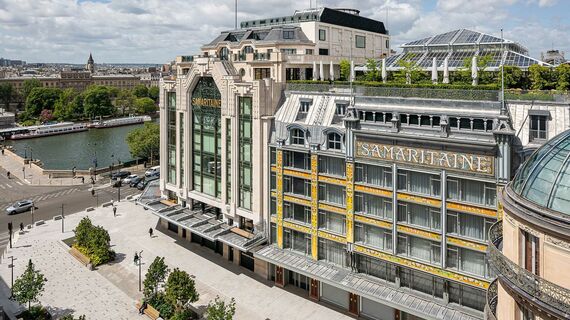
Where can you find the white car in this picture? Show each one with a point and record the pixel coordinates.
(128, 179)
(152, 171)
(20, 206)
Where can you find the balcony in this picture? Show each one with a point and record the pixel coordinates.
(492, 299)
(537, 294)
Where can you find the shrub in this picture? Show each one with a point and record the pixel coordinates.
(94, 242)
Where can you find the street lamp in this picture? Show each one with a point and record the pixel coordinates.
(11, 266)
(31, 157)
(94, 144)
(62, 218)
(140, 262)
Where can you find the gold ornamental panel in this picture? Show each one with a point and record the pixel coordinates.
(374, 222)
(301, 201)
(314, 206)
(331, 208)
(466, 244)
(332, 237)
(337, 181)
(419, 200)
(298, 174)
(419, 233)
(471, 209)
(296, 227)
(373, 191)
(349, 202)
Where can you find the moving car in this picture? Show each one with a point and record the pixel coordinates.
(120, 175)
(135, 181)
(128, 179)
(152, 171)
(20, 206)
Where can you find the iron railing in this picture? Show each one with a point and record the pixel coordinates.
(492, 299)
(404, 92)
(520, 279)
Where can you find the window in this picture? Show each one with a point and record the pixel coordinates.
(334, 141)
(530, 253)
(387, 43)
(309, 52)
(289, 51)
(332, 166)
(466, 260)
(376, 268)
(298, 137)
(273, 235)
(374, 175)
(422, 282)
(419, 248)
(323, 52)
(322, 35)
(273, 156)
(297, 241)
(288, 34)
(262, 73)
(297, 212)
(332, 193)
(478, 192)
(538, 128)
(340, 109)
(305, 106)
(273, 181)
(468, 225)
(466, 296)
(273, 206)
(224, 53)
(332, 221)
(360, 41)
(419, 215)
(333, 252)
(297, 160)
(171, 137)
(297, 186)
(373, 205)
(373, 236)
(245, 156)
(419, 182)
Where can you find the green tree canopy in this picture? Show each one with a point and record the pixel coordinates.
(410, 72)
(156, 274)
(125, 101)
(140, 91)
(144, 105)
(220, 310)
(28, 86)
(93, 241)
(97, 102)
(540, 77)
(6, 94)
(563, 77)
(40, 99)
(180, 288)
(29, 286)
(69, 105)
(514, 77)
(144, 142)
(344, 69)
(154, 93)
(372, 70)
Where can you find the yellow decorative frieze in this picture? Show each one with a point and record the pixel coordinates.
(332, 237)
(466, 244)
(349, 202)
(332, 180)
(298, 174)
(422, 267)
(273, 168)
(274, 194)
(471, 209)
(331, 208)
(314, 206)
(279, 196)
(296, 227)
(419, 200)
(373, 190)
(273, 219)
(419, 233)
(374, 222)
(293, 199)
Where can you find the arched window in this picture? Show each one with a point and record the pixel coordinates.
(334, 141)
(297, 137)
(224, 53)
(247, 49)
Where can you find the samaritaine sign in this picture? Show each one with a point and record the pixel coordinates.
(474, 163)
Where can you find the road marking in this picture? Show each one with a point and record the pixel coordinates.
(1, 186)
(18, 182)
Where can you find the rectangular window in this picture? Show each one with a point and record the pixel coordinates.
(477, 192)
(376, 268)
(288, 34)
(332, 193)
(323, 52)
(373, 205)
(360, 41)
(322, 35)
(171, 143)
(538, 128)
(289, 51)
(262, 73)
(340, 109)
(297, 186)
(297, 212)
(297, 160)
(373, 236)
(466, 260)
(332, 222)
(419, 215)
(419, 182)
(297, 241)
(305, 105)
(468, 225)
(229, 160)
(273, 181)
(333, 252)
(467, 296)
(309, 52)
(273, 233)
(273, 206)
(182, 164)
(273, 156)
(245, 147)
(332, 166)
(419, 248)
(374, 175)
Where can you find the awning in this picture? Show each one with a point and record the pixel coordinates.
(363, 285)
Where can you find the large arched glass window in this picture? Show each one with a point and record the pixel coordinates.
(247, 49)
(224, 53)
(297, 137)
(334, 141)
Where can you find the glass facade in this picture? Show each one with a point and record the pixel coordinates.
(171, 143)
(245, 137)
(206, 130)
(182, 164)
(229, 160)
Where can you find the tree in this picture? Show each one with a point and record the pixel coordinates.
(144, 105)
(140, 91)
(482, 64)
(344, 69)
(69, 106)
(540, 77)
(144, 142)
(93, 241)
(156, 274)
(563, 77)
(40, 99)
(71, 317)
(220, 310)
(97, 102)
(29, 286)
(125, 101)
(154, 93)
(180, 288)
(46, 115)
(6, 94)
(372, 70)
(410, 71)
(28, 86)
(514, 77)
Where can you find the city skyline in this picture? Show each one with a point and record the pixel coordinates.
(127, 31)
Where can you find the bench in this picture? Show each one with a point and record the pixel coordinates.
(149, 311)
(80, 256)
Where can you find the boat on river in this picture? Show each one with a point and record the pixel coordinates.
(50, 130)
(100, 124)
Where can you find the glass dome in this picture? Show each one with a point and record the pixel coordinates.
(545, 177)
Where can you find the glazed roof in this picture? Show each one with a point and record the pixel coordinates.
(544, 178)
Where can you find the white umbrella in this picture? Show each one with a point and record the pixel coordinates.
(331, 72)
(474, 71)
(446, 71)
(352, 71)
(321, 71)
(384, 73)
(434, 71)
(314, 70)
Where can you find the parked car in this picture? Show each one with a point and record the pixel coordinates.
(152, 171)
(128, 179)
(20, 206)
(120, 175)
(135, 181)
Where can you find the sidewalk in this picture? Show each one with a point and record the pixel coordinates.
(33, 174)
(111, 291)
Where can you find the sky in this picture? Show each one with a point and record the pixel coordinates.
(156, 31)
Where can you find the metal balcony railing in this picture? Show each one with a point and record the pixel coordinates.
(492, 299)
(546, 293)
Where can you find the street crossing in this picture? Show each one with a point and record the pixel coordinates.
(45, 196)
(11, 184)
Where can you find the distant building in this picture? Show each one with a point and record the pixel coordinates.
(7, 119)
(553, 57)
(11, 63)
(90, 64)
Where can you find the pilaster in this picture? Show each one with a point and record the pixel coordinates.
(279, 189)
(314, 205)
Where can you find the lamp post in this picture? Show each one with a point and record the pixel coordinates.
(62, 218)
(10, 233)
(94, 144)
(32, 211)
(11, 266)
(31, 157)
(140, 262)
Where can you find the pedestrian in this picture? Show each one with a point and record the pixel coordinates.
(92, 192)
(73, 170)
(150, 232)
(136, 259)
(143, 307)
(2, 151)
(114, 211)
(92, 180)
(82, 180)
(8, 174)
(22, 226)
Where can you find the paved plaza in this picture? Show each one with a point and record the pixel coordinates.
(111, 291)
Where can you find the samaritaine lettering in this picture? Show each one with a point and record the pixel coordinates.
(207, 102)
(443, 159)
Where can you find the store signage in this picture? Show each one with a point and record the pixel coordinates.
(473, 163)
(207, 102)
(206, 94)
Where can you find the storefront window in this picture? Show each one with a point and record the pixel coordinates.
(245, 147)
(171, 143)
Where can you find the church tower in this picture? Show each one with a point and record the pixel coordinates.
(91, 64)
